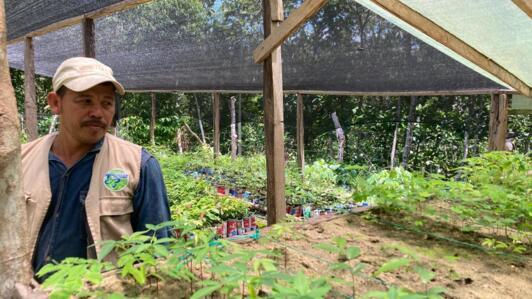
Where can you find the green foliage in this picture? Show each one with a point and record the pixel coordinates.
(72, 277)
(494, 192)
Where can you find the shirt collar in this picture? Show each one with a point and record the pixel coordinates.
(95, 149)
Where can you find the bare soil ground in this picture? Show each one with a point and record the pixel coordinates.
(463, 272)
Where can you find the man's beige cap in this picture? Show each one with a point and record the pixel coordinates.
(82, 73)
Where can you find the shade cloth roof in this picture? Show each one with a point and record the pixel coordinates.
(499, 30)
(193, 45)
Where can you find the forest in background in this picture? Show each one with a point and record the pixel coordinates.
(445, 129)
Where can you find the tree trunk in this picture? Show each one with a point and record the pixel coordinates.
(199, 120)
(466, 144)
(395, 133)
(30, 98)
(216, 121)
(340, 136)
(234, 136)
(14, 255)
(179, 139)
(152, 120)
(409, 131)
(300, 138)
(240, 125)
(498, 122)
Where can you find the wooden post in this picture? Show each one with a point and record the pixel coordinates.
(234, 136)
(273, 120)
(89, 44)
(216, 120)
(30, 98)
(200, 122)
(300, 134)
(15, 262)
(153, 117)
(409, 131)
(498, 122)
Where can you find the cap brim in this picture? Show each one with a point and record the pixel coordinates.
(88, 82)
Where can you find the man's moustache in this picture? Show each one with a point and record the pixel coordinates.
(94, 123)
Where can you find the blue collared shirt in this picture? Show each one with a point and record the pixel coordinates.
(63, 233)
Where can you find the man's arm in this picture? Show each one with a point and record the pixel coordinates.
(150, 202)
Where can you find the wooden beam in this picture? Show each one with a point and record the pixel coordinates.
(216, 120)
(498, 126)
(102, 12)
(89, 42)
(273, 125)
(340, 93)
(277, 10)
(425, 25)
(30, 97)
(525, 6)
(280, 33)
(300, 135)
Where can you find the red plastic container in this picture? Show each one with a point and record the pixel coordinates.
(232, 228)
(252, 223)
(220, 190)
(221, 229)
(247, 224)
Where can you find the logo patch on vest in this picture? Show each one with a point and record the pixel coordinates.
(116, 179)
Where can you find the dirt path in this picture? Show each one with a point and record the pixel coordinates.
(464, 273)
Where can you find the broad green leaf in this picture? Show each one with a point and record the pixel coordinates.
(353, 252)
(424, 274)
(327, 247)
(392, 265)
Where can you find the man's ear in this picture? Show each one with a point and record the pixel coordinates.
(54, 101)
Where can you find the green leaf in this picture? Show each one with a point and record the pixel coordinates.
(339, 267)
(205, 291)
(436, 290)
(425, 275)
(353, 252)
(392, 265)
(327, 247)
(107, 247)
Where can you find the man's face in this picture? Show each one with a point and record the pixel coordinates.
(86, 115)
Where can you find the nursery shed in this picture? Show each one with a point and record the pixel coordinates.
(344, 47)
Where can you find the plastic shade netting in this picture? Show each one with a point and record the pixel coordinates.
(192, 45)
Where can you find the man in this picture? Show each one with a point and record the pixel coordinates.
(83, 185)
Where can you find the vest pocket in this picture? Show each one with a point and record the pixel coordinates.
(115, 217)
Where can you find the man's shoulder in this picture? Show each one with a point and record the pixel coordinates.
(32, 144)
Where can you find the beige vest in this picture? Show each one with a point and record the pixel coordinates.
(108, 212)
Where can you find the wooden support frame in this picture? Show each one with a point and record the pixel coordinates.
(498, 126)
(274, 123)
(30, 95)
(216, 121)
(525, 6)
(300, 134)
(280, 33)
(340, 93)
(440, 35)
(102, 12)
(89, 42)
